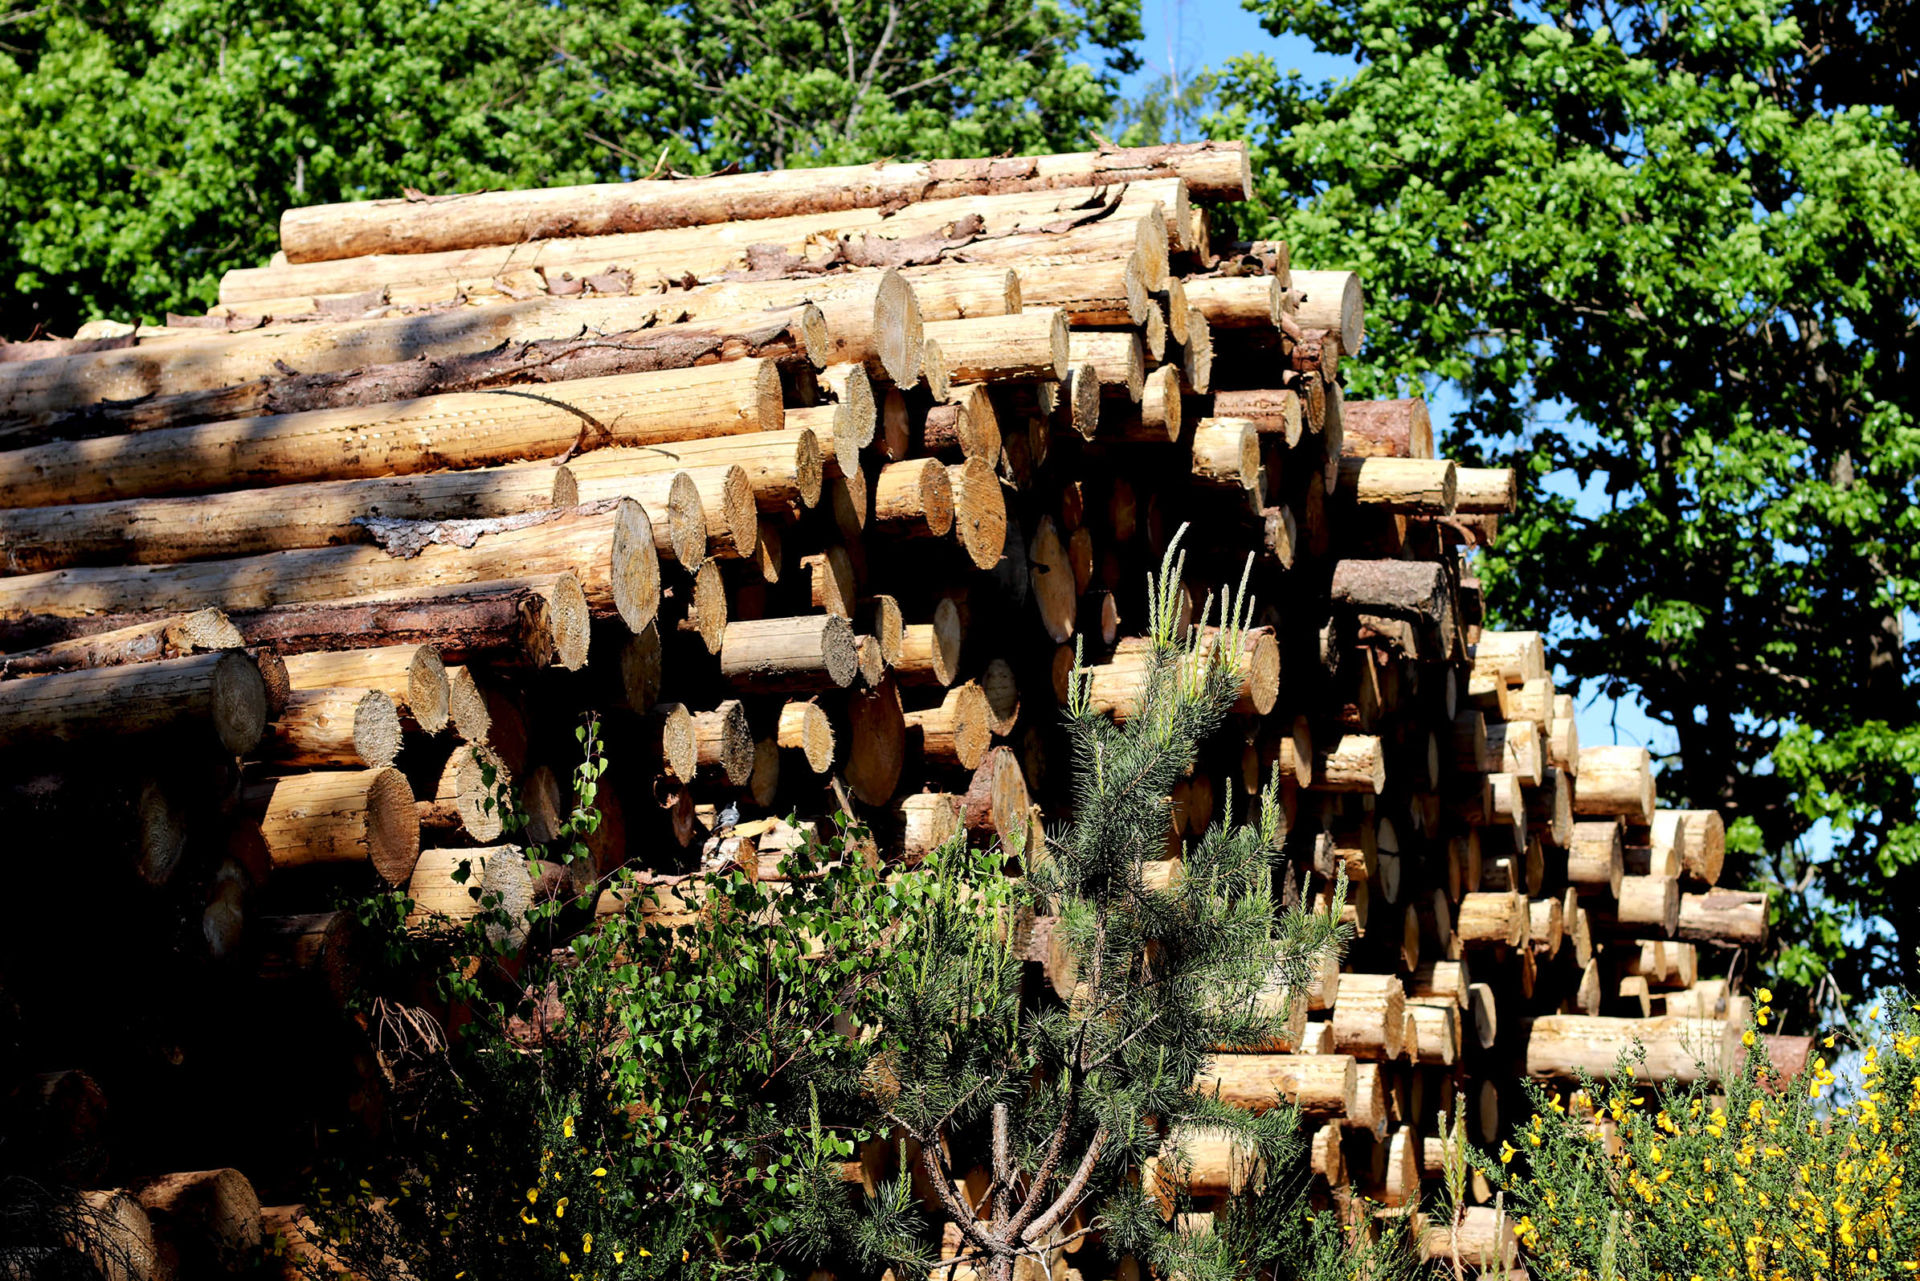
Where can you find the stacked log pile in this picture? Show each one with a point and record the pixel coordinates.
(807, 483)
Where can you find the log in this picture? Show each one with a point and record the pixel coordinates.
(1334, 301)
(1646, 906)
(1563, 741)
(1678, 1050)
(930, 652)
(805, 728)
(210, 1219)
(1596, 856)
(1705, 844)
(117, 1238)
(462, 429)
(532, 622)
(695, 512)
(996, 800)
(338, 816)
(347, 727)
(1386, 429)
(1320, 1085)
(1274, 412)
(1440, 981)
(220, 696)
(1615, 781)
(1412, 591)
(667, 738)
(1484, 1240)
(1724, 916)
(299, 368)
(723, 742)
(1490, 919)
(1117, 357)
(1516, 749)
(1028, 346)
(1094, 293)
(914, 499)
(1369, 1110)
(1412, 487)
(1226, 452)
(979, 512)
(1369, 1016)
(247, 522)
(959, 730)
(1481, 491)
(174, 636)
(925, 822)
(1235, 302)
(460, 801)
(321, 232)
(789, 655)
(876, 743)
(412, 676)
(1516, 656)
(1355, 763)
(784, 468)
(610, 552)
(1550, 808)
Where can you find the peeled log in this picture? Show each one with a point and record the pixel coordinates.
(175, 636)
(1235, 302)
(211, 1218)
(789, 655)
(959, 730)
(1117, 358)
(930, 652)
(1678, 1050)
(1615, 780)
(1705, 844)
(1334, 301)
(222, 693)
(354, 727)
(1274, 412)
(914, 499)
(1488, 918)
(1596, 856)
(1386, 429)
(1412, 487)
(723, 741)
(1484, 491)
(1226, 452)
(412, 676)
(996, 800)
(462, 429)
(610, 552)
(338, 816)
(1355, 763)
(1320, 1085)
(979, 511)
(1028, 346)
(320, 232)
(876, 743)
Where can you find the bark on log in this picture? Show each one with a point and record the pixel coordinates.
(459, 429)
(1724, 916)
(611, 553)
(301, 368)
(1386, 429)
(338, 816)
(323, 232)
(525, 622)
(175, 636)
(249, 522)
(221, 695)
(1274, 412)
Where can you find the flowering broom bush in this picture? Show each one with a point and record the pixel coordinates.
(1760, 1177)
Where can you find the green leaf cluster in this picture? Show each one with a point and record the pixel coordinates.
(147, 146)
(1668, 259)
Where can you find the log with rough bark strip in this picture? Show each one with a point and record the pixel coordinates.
(322, 232)
(174, 636)
(609, 550)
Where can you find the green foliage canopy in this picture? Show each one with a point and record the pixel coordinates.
(147, 146)
(1673, 253)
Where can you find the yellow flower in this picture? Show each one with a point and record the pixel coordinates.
(620, 1256)
(1507, 1153)
(1746, 1037)
(533, 1194)
(586, 1243)
(566, 1127)
(600, 1172)
(1828, 1042)
(560, 1208)
(1764, 995)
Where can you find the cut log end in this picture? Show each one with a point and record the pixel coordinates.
(239, 696)
(897, 329)
(636, 562)
(805, 728)
(393, 826)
